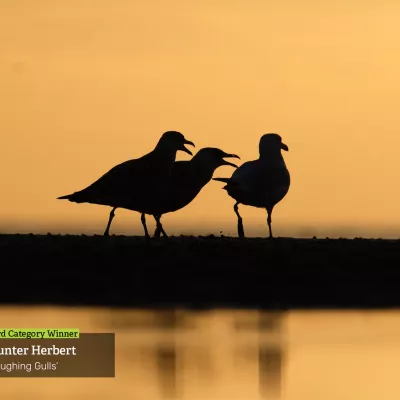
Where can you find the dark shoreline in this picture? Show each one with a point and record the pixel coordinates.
(200, 272)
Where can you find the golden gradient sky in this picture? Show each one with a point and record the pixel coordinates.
(85, 85)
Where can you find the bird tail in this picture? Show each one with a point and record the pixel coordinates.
(64, 197)
(225, 180)
(74, 197)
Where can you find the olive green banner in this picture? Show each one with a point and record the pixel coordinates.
(26, 333)
(91, 355)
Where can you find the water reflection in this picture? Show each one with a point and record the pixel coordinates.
(245, 341)
(217, 355)
(166, 370)
(270, 356)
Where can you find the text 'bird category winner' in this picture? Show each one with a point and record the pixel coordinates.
(39, 334)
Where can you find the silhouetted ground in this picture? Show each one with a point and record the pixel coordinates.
(200, 272)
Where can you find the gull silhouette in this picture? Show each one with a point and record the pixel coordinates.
(187, 180)
(140, 184)
(261, 183)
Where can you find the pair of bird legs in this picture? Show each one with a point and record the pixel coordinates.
(240, 221)
(158, 231)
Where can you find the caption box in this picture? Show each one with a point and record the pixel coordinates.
(89, 355)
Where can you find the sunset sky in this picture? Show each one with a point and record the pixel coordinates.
(86, 85)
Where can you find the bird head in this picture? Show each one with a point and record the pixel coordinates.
(176, 141)
(271, 143)
(214, 158)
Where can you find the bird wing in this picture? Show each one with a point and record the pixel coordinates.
(123, 179)
(244, 177)
(186, 183)
(254, 177)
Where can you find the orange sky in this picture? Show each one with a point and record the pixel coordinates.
(85, 85)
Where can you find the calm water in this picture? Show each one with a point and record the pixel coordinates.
(228, 355)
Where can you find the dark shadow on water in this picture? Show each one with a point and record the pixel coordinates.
(270, 357)
(167, 370)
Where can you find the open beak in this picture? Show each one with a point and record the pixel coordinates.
(229, 163)
(183, 148)
(284, 147)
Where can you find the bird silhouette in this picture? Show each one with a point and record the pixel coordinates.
(139, 184)
(261, 183)
(189, 178)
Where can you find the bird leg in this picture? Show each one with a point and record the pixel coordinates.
(240, 221)
(159, 226)
(112, 215)
(157, 232)
(143, 219)
(269, 220)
